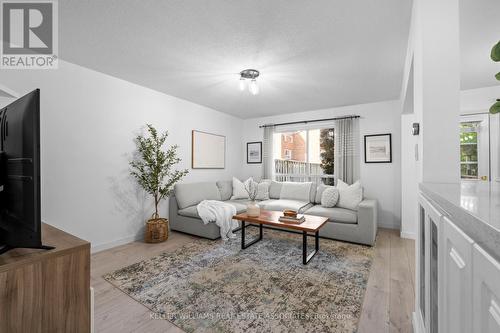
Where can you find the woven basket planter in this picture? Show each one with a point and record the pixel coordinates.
(156, 230)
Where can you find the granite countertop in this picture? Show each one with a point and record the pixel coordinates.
(473, 206)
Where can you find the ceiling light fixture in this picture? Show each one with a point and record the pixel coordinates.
(252, 75)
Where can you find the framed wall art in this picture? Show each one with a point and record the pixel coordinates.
(378, 148)
(208, 151)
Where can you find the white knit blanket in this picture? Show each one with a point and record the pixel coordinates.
(221, 213)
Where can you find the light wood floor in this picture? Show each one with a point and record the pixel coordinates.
(387, 307)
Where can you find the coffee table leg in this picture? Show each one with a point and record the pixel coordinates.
(306, 258)
(243, 245)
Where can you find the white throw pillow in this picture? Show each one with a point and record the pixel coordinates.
(263, 190)
(296, 191)
(239, 191)
(329, 197)
(349, 195)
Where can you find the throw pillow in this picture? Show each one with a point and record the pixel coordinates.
(239, 191)
(319, 192)
(349, 195)
(263, 190)
(296, 191)
(225, 189)
(329, 197)
(275, 189)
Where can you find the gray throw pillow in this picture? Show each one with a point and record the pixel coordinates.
(329, 197)
(319, 192)
(263, 190)
(225, 189)
(275, 189)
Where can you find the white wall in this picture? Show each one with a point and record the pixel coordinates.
(88, 122)
(380, 181)
(478, 100)
(471, 101)
(436, 72)
(409, 175)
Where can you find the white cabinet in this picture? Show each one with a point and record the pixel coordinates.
(485, 292)
(428, 273)
(456, 288)
(457, 282)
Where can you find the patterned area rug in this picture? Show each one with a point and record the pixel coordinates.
(211, 286)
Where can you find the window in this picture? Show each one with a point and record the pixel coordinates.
(305, 155)
(287, 154)
(474, 147)
(468, 151)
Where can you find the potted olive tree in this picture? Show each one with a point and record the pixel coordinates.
(152, 168)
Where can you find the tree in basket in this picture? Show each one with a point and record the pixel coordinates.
(152, 168)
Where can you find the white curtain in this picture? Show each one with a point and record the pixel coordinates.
(346, 164)
(267, 154)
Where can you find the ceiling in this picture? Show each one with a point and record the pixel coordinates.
(479, 31)
(311, 54)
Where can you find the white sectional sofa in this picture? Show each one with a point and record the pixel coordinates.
(357, 226)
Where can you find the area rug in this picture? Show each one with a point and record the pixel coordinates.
(212, 286)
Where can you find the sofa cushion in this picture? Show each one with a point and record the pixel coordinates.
(312, 193)
(282, 204)
(275, 189)
(263, 190)
(335, 214)
(190, 211)
(225, 189)
(330, 197)
(189, 194)
(240, 205)
(319, 192)
(239, 191)
(296, 191)
(349, 195)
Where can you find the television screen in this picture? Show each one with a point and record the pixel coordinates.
(20, 216)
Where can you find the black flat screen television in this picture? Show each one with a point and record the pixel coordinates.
(20, 211)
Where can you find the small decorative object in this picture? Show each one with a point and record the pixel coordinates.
(378, 148)
(208, 151)
(254, 152)
(292, 219)
(290, 213)
(152, 168)
(495, 56)
(253, 209)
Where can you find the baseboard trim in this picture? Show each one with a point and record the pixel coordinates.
(388, 226)
(408, 235)
(115, 243)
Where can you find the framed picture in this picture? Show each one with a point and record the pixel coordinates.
(378, 148)
(208, 151)
(254, 152)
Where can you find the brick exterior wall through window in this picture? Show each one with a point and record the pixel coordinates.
(295, 143)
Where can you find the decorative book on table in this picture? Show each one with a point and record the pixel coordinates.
(290, 219)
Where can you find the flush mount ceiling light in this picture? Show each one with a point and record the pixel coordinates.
(252, 75)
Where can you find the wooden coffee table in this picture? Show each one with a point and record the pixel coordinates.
(311, 224)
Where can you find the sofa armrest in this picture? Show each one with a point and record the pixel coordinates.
(367, 219)
(172, 209)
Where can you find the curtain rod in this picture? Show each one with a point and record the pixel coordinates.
(309, 121)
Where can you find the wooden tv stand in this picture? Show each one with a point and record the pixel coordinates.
(46, 291)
